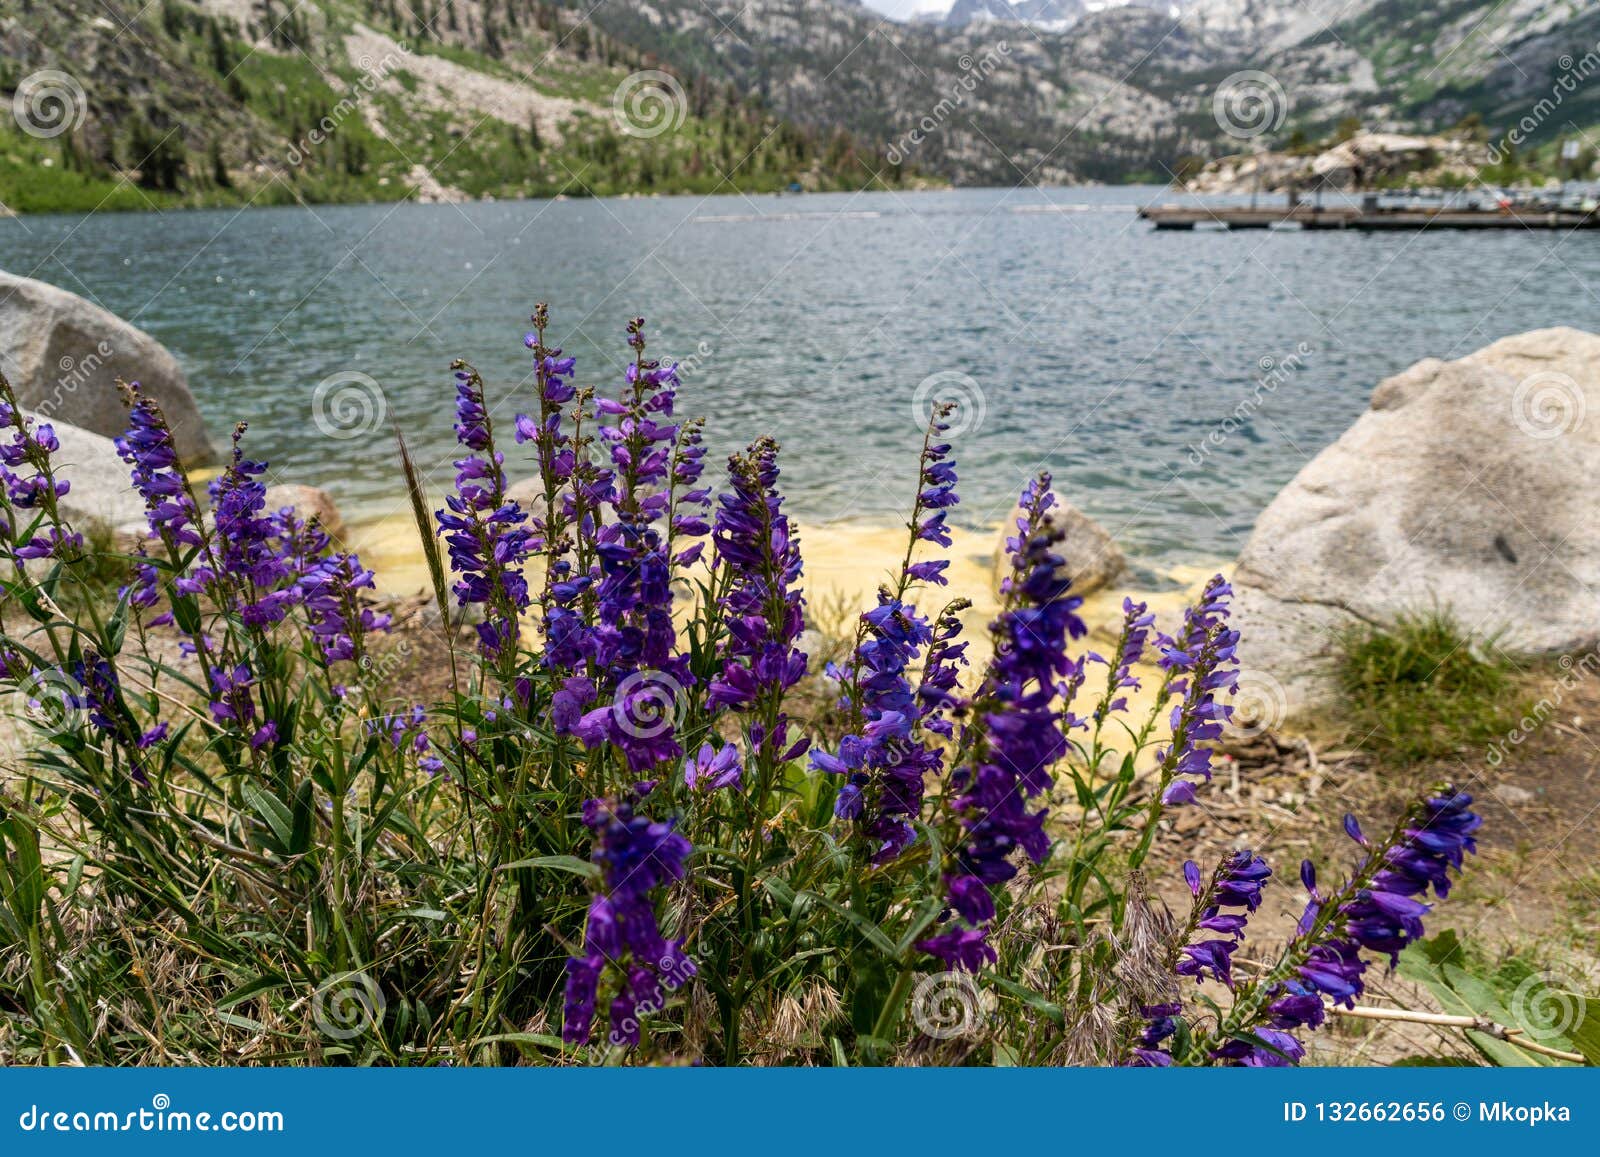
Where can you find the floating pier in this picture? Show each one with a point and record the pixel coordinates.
(1371, 215)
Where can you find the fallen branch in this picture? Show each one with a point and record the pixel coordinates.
(1483, 1024)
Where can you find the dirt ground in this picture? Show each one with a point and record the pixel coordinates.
(1532, 890)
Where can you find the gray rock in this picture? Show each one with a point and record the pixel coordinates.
(63, 356)
(1467, 486)
(526, 492)
(1093, 558)
(308, 501)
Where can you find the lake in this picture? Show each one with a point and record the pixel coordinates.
(1173, 382)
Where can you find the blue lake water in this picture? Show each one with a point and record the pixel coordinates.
(1082, 340)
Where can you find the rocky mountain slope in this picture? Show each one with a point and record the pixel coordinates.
(129, 104)
(365, 99)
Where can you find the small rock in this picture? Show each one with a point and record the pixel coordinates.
(526, 492)
(1511, 794)
(1093, 558)
(308, 502)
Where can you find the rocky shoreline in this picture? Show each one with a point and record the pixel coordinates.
(1364, 161)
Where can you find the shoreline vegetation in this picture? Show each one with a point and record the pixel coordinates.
(630, 826)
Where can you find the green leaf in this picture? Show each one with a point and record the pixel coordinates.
(1586, 1032)
(271, 809)
(557, 863)
(254, 988)
(1032, 999)
(305, 815)
(544, 1040)
(869, 931)
(425, 914)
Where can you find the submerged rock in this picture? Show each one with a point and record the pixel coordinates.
(63, 356)
(1468, 486)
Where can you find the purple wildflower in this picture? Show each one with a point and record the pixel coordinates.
(1199, 663)
(764, 608)
(486, 535)
(636, 856)
(1379, 910)
(1017, 737)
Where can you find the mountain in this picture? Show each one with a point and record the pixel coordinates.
(209, 101)
(144, 103)
(1057, 15)
(985, 103)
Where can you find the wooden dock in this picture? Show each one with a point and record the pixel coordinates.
(1368, 218)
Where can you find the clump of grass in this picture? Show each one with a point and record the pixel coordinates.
(1424, 689)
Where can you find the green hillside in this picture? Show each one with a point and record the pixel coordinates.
(259, 101)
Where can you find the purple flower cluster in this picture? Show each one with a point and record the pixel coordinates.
(247, 551)
(170, 510)
(1018, 734)
(29, 448)
(486, 535)
(691, 502)
(633, 638)
(1222, 905)
(1236, 884)
(886, 763)
(409, 728)
(1137, 622)
(711, 769)
(636, 856)
(337, 616)
(1380, 910)
(763, 606)
(1200, 662)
